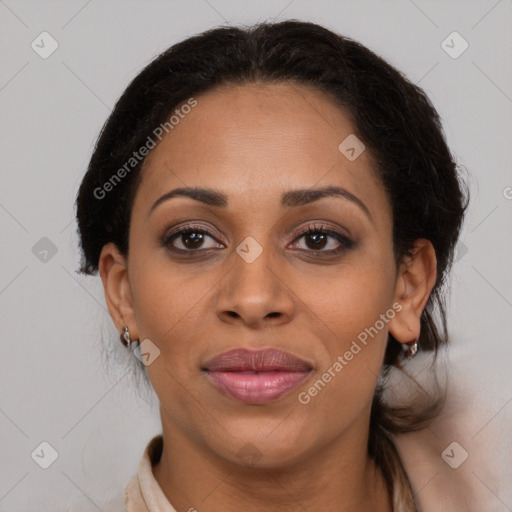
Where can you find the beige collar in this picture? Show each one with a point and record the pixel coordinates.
(143, 494)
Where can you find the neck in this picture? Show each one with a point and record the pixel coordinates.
(338, 478)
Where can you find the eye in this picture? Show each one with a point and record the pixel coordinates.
(316, 239)
(191, 238)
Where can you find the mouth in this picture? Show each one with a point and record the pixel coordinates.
(256, 377)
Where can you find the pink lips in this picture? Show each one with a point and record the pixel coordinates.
(256, 377)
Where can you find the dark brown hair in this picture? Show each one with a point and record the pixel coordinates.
(393, 117)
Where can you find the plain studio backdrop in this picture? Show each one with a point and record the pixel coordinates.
(64, 64)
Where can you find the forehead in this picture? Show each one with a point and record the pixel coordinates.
(256, 140)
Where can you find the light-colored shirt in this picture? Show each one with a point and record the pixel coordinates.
(143, 494)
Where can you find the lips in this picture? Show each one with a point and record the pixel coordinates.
(256, 377)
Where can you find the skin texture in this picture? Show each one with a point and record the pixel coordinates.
(253, 143)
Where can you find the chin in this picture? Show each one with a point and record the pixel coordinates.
(265, 444)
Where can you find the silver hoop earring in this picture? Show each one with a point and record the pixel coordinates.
(125, 337)
(411, 350)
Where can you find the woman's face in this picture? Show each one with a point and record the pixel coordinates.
(246, 277)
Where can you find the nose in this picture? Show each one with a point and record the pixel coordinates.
(255, 293)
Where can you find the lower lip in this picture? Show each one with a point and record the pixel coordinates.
(256, 388)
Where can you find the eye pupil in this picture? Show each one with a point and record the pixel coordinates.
(319, 240)
(197, 238)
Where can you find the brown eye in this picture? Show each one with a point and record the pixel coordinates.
(190, 238)
(324, 240)
(318, 240)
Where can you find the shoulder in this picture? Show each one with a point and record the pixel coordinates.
(460, 461)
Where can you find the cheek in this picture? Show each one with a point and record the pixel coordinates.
(351, 316)
(355, 319)
(167, 300)
(345, 304)
(353, 350)
(168, 307)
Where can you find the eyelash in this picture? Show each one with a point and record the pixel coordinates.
(345, 242)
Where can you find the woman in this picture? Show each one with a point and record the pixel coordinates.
(273, 212)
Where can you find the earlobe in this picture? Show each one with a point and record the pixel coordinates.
(114, 276)
(416, 279)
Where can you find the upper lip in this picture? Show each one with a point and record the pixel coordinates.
(263, 360)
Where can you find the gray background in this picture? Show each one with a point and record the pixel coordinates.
(56, 386)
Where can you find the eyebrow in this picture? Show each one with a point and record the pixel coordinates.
(291, 199)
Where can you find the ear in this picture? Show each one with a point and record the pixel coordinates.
(416, 278)
(114, 275)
